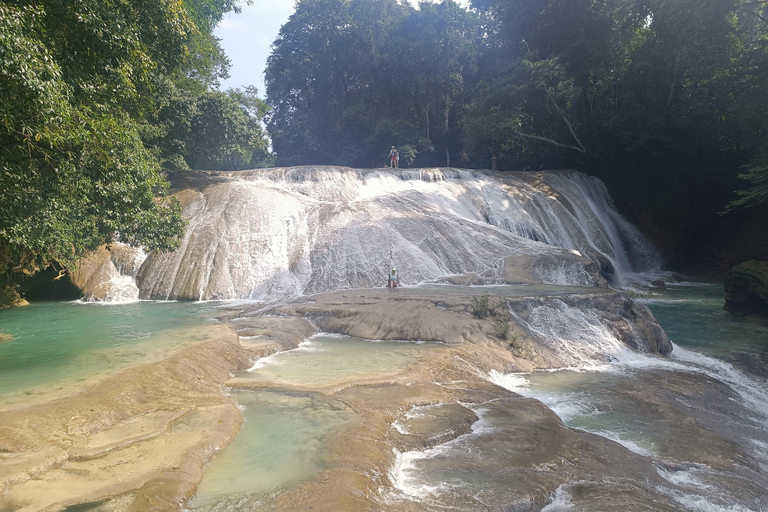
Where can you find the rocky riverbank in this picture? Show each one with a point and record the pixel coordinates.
(746, 289)
(139, 439)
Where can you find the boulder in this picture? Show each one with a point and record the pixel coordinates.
(746, 289)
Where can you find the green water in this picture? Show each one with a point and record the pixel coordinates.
(327, 361)
(57, 345)
(282, 439)
(281, 442)
(660, 407)
(611, 401)
(692, 315)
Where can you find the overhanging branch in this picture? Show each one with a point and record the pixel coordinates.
(550, 141)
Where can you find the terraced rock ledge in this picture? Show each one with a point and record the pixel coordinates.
(139, 439)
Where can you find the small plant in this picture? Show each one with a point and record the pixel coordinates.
(503, 328)
(629, 305)
(481, 306)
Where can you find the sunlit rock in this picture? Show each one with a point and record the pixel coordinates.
(109, 273)
(273, 234)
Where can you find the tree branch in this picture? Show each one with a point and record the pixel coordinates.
(581, 147)
(551, 141)
(754, 14)
(750, 4)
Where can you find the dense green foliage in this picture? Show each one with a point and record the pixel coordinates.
(346, 80)
(663, 99)
(94, 96)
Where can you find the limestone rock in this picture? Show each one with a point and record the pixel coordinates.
(280, 233)
(109, 273)
(746, 289)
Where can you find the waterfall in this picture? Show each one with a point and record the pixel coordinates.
(579, 331)
(276, 233)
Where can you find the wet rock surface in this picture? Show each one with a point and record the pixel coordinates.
(746, 289)
(444, 400)
(139, 438)
(436, 434)
(274, 234)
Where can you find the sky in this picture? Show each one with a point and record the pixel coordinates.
(246, 38)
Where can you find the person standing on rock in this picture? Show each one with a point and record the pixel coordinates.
(392, 156)
(493, 162)
(397, 159)
(394, 280)
(465, 159)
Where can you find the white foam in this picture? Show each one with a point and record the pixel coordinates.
(281, 233)
(566, 405)
(577, 334)
(262, 362)
(561, 501)
(626, 443)
(761, 450)
(697, 503)
(274, 359)
(752, 392)
(510, 381)
(333, 335)
(405, 472)
(397, 425)
(307, 346)
(684, 477)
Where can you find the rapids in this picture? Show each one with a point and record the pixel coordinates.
(701, 420)
(279, 233)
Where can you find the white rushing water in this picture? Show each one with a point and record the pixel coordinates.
(278, 233)
(406, 474)
(606, 397)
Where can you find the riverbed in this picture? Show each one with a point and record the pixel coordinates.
(351, 423)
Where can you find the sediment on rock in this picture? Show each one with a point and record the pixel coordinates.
(342, 228)
(428, 315)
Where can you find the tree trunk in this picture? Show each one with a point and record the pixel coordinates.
(447, 115)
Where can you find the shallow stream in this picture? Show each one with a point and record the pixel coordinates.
(282, 439)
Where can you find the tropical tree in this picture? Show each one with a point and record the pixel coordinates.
(79, 85)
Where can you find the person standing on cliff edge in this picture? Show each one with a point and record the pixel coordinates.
(392, 157)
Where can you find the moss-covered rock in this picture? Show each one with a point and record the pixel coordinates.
(746, 289)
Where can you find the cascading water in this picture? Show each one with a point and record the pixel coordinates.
(612, 235)
(576, 333)
(276, 233)
(685, 413)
